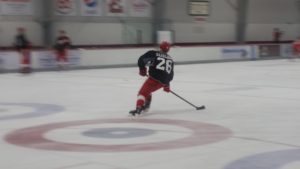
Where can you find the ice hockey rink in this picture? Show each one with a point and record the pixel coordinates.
(79, 119)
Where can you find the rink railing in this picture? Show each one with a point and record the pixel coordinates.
(122, 57)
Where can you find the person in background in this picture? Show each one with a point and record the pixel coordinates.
(296, 48)
(23, 45)
(61, 46)
(277, 34)
(160, 74)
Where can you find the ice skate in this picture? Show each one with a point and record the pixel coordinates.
(137, 111)
(146, 107)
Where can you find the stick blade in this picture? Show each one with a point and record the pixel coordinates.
(200, 108)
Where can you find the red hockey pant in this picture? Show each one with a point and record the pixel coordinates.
(149, 86)
(62, 56)
(25, 57)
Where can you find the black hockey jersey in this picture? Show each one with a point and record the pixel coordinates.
(161, 65)
(21, 42)
(62, 42)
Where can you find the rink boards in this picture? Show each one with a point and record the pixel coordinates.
(112, 57)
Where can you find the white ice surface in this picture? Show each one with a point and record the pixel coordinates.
(259, 101)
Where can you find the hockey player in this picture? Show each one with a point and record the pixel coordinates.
(160, 75)
(22, 45)
(296, 47)
(61, 46)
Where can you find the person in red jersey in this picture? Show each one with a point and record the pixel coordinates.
(160, 74)
(23, 45)
(296, 47)
(62, 45)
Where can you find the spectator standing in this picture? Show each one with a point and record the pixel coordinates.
(23, 45)
(62, 45)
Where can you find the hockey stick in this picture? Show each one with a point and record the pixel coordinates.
(197, 107)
